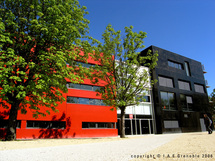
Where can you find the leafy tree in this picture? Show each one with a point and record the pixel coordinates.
(212, 103)
(121, 68)
(37, 38)
(212, 97)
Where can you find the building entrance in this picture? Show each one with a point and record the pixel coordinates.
(136, 126)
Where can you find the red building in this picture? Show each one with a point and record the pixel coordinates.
(83, 114)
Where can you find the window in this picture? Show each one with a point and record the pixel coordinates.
(186, 102)
(72, 100)
(71, 85)
(166, 82)
(86, 65)
(46, 124)
(187, 68)
(184, 85)
(84, 87)
(100, 125)
(144, 99)
(199, 88)
(86, 101)
(175, 64)
(4, 123)
(168, 101)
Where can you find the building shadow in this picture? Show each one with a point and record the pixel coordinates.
(3, 116)
(56, 132)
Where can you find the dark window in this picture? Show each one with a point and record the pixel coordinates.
(168, 101)
(145, 99)
(199, 88)
(166, 82)
(187, 68)
(100, 125)
(46, 124)
(186, 102)
(175, 64)
(184, 85)
(4, 123)
(58, 124)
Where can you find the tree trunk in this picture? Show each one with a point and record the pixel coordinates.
(122, 123)
(12, 121)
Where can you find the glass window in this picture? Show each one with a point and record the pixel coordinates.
(71, 85)
(183, 102)
(102, 103)
(97, 102)
(84, 124)
(87, 101)
(186, 102)
(4, 123)
(46, 124)
(72, 100)
(110, 125)
(97, 88)
(102, 125)
(83, 101)
(168, 101)
(94, 102)
(86, 87)
(30, 123)
(164, 100)
(187, 68)
(171, 101)
(145, 99)
(86, 65)
(58, 124)
(175, 64)
(92, 125)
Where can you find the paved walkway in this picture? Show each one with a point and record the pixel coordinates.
(120, 150)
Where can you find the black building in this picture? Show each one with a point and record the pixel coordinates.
(180, 95)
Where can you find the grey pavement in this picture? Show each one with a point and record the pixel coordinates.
(120, 150)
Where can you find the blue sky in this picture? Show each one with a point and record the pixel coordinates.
(185, 27)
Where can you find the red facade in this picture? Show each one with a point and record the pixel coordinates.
(71, 115)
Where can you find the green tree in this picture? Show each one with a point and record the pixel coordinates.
(212, 104)
(37, 38)
(121, 68)
(212, 98)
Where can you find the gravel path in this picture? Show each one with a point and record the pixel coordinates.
(120, 150)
